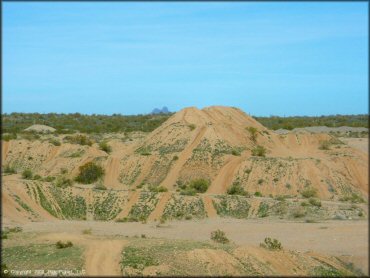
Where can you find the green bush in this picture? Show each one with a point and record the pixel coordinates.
(78, 139)
(175, 157)
(324, 145)
(9, 170)
(27, 174)
(37, 177)
(8, 137)
(89, 173)
(258, 194)
(235, 152)
(259, 151)
(54, 141)
(199, 185)
(253, 133)
(309, 192)
(219, 236)
(100, 186)
(61, 245)
(192, 127)
(63, 182)
(315, 202)
(237, 189)
(157, 188)
(353, 198)
(105, 147)
(49, 179)
(271, 244)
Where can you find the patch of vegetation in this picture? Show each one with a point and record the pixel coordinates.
(153, 188)
(105, 147)
(275, 122)
(327, 271)
(44, 202)
(7, 169)
(263, 210)
(219, 236)
(315, 202)
(42, 256)
(253, 133)
(180, 207)
(54, 141)
(63, 182)
(232, 205)
(142, 209)
(8, 137)
(309, 192)
(271, 244)
(258, 194)
(137, 259)
(199, 185)
(324, 145)
(353, 198)
(192, 127)
(78, 153)
(237, 189)
(27, 174)
(72, 206)
(61, 245)
(89, 173)
(259, 151)
(107, 208)
(298, 212)
(78, 139)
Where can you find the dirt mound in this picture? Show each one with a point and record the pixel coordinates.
(40, 128)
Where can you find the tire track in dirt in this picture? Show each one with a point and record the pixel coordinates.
(112, 172)
(208, 206)
(225, 177)
(158, 211)
(102, 257)
(173, 174)
(133, 199)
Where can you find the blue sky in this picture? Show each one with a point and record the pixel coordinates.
(265, 58)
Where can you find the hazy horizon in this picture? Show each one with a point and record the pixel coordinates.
(281, 59)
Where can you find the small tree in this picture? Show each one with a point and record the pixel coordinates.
(271, 244)
(89, 173)
(237, 189)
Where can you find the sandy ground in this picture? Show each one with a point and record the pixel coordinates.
(361, 144)
(347, 239)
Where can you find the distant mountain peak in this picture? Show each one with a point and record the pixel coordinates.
(164, 110)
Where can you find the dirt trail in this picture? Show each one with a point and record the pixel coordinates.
(158, 211)
(103, 257)
(172, 176)
(208, 206)
(224, 179)
(112, 172)
(133, 199)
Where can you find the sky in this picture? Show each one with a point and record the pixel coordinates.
(281, 58)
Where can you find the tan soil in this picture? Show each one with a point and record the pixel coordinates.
(158, 211)
(132, 201)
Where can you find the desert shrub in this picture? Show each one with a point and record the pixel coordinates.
(219, 236)
(8, 137)
(63, 182)
(27, 174)
(248, 171)
(63, 171)
(259, 151)
(86, 231)
(100, 186)
(78, 139)
(309, 192)
(235, 152)
(237, 189)
(253, 133)
(105, 147)
(353, 198)
(175, 157)
(188, 217)
(260, 181)
(54, 141)
(280, 198)
(315, 202)
(157, 188)
(61, 245)
(288, 185)
(188, 191)
(37, 177)
(9, 170)
(192, 127)
(263, 210)
(258, 194)
(199, 185)
(298, 212)
(324, 145)
(271, 244)
(89, 173)
(49, 179)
